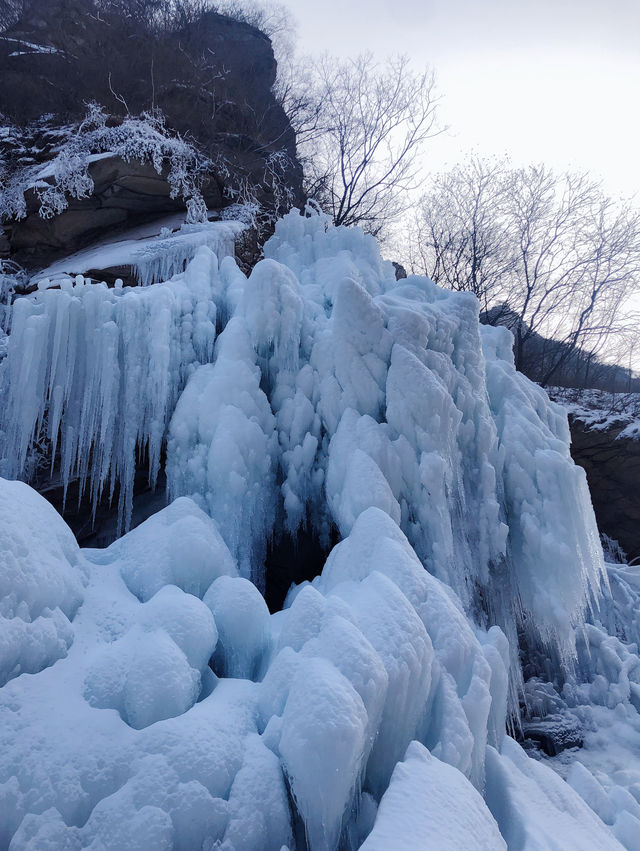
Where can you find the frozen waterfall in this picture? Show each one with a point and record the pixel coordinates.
(166, 707)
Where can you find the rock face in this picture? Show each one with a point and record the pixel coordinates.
(210, 77)
(553, 734)
(612, 465)
(125, 193)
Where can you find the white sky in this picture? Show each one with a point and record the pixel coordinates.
(556, 81)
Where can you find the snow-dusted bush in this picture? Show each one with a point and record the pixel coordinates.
(144, 138)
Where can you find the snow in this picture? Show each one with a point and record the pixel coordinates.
(154, 257)
(178, 546)
(600, 410)
(536, 809)
(163, 706)
(41, 583)
(145, 677)
(431, 805)
(110, 745)
(49, 170)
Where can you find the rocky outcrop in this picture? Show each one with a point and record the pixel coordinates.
(125, 193)
(612, 465)
(553, 733)
(211, 78)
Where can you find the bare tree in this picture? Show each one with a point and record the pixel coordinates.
(549, 255)
(462, 237)
(296, 92)
(361, 158)
(269, 16)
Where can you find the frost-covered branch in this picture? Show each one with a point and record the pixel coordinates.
(361, 143)
(143, 138)
(547, 254)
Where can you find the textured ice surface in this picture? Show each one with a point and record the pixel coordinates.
(431, 805)
(242, 620)
(170, 710)
(221, 448)
(535, 809)
(41, 582)
(547, 500)
(155, 256)
(179, 545)
(96, 372)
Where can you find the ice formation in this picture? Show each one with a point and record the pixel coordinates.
(99, 371)
(438, 806)
(156, 252)
(151, 699)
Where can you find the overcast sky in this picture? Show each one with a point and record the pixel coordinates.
(556, 81)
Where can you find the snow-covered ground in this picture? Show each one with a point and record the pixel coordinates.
(600, 410)
(151, 701)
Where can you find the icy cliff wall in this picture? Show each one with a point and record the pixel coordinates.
(331, 389)
(317, 394)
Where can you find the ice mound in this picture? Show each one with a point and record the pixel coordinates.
(616, 806)
(242, 621)
(317, 395)
(179, 545)
(133, 743)
(154, 670)
(534, 808)
(145, 678)
(41, 582)
(150, 746)
(429, 805)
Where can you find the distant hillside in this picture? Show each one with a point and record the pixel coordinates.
(577, 367)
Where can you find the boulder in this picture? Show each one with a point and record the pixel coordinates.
(554, 733)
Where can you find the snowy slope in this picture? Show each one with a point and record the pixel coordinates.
(602, 411)
(151, 700)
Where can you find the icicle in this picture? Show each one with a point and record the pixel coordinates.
(161, 258)
(101, 369)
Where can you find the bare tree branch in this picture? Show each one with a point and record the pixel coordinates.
(363, 126)
(549, 255)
